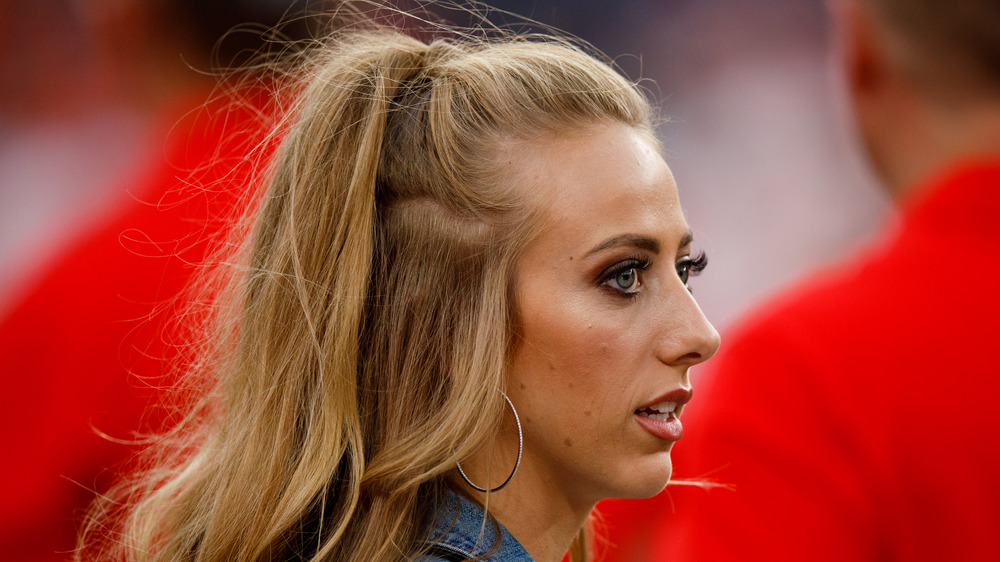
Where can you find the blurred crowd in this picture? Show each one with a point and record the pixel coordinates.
(754, 132)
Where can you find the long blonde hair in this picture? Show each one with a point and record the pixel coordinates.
(374, 309)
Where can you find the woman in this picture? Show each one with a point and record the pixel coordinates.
(465, 293)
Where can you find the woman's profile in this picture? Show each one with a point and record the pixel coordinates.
(460, 320)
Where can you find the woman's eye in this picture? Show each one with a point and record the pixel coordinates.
(688, 267)
(684, 270)
(625, 278)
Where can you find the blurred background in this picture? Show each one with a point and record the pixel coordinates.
(756, 135)
(92, 93)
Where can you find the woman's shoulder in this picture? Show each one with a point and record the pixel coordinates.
(463, 531)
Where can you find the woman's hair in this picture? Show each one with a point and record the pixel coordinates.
(374, 310)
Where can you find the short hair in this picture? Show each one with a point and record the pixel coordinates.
(960, 35)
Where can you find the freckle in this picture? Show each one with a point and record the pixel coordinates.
(568, 442)
(586, 412)
(571, 258)
(523, 386)
(527, 419)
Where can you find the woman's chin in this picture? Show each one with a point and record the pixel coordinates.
(646, 481)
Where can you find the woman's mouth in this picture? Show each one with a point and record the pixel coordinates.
(661, 417)
(659, 412)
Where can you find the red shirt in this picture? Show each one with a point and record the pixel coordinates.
(83, 355)
(856, 416)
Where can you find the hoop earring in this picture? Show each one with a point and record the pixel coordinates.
(520, 449)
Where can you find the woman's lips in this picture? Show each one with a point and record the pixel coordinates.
(669, 429)
(660, 417)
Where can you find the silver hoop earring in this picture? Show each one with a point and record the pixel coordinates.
(520, 449)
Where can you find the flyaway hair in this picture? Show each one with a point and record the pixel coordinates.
(372, 312)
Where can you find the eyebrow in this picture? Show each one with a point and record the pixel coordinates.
(687, 239)
(637, 241)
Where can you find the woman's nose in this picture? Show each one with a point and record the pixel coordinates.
(688, 338)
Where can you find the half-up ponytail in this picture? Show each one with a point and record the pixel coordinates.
(375, 308)
(310, 265)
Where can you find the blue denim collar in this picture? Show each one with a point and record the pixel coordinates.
(461, 528)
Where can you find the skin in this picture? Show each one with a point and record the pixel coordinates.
(588, 355)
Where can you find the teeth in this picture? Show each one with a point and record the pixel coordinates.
(659, 412)
(663, 407)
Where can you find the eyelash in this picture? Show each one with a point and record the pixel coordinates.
(693, 267)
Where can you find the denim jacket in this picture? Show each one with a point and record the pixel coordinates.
(470, 536)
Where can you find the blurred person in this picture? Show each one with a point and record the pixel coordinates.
(850, 418)
(469, 249)
(72, 127)
(84, 353)
(88, 91)
(86, 343)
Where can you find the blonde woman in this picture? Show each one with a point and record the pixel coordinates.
(462, 319)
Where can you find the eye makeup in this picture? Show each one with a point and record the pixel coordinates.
(688, 267)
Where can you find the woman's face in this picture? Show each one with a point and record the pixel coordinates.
(608, 328)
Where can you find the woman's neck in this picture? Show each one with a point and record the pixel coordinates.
(535, 509)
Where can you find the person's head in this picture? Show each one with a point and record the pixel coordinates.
(924, 81)
(403, 268)
(607, 328)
